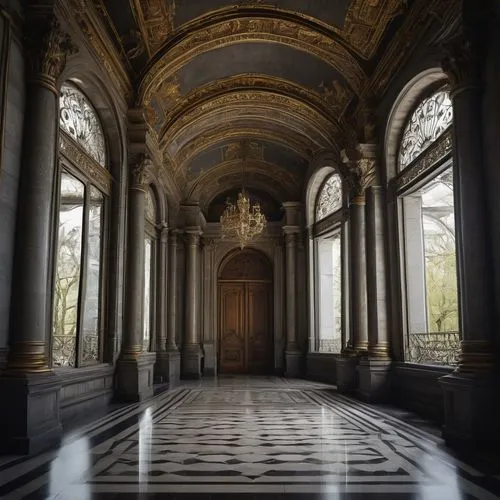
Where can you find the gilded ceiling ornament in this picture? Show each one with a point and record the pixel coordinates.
(142, 174)
(288, 182)
(251, 81)
(169, 93)
(156, 21)
(47, 49)
(273, 105)
(366, 22)
(337, 96)
(199, 40)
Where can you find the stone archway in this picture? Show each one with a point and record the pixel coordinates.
(246, 338)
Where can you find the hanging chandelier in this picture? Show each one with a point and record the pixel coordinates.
(242, 220)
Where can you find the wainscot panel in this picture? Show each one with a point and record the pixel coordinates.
(416, 388)
(85, 390)
(322, 367)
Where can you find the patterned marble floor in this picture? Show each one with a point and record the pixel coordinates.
(248, 437)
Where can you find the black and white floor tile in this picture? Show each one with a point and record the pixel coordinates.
(260, 437)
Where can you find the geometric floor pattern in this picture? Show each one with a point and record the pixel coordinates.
(261, 437)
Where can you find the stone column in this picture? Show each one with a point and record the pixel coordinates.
(361, 167)
(374, 369)
(291, 229)
(30, 417)
(470, 392)
(164, 371)
(135, 367)
(191, 352)
(170, 359)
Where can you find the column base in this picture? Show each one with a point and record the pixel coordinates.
(168, 367)
(30, 419)
(135, 378)
(294, 361)
(347, 373)
(471, 410)
(191, 362)
(373, 376)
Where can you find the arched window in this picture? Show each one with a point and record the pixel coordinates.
(84, 188)
(150, 252)
(328, 266)
(424, 191)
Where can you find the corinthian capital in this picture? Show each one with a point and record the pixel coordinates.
(461, 64)
(362, 173)
(47, 47)
(142, 174)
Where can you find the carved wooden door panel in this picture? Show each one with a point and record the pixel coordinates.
(232, 328)
(259, 328)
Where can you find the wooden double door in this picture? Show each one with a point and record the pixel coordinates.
(245, 327)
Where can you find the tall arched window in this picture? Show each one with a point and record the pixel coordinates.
(84, 187)
(150, 253)
(424, 190)
(328, 264)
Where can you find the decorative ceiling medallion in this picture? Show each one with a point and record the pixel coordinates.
(251, 29)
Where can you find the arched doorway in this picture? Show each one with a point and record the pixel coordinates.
(245, 314)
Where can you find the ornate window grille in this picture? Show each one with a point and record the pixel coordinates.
(428, 122)
(330, 197)
(79, 120)
(84, 185)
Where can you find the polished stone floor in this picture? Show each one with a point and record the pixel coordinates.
(245, 438)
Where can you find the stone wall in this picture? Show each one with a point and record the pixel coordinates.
(12, 103)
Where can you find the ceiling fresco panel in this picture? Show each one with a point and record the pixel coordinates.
(277, 61)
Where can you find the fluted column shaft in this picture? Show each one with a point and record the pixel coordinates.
(172, 293)
(134, 296)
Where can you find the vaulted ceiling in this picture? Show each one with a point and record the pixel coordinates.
(250, 88)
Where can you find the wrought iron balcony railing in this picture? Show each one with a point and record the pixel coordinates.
(433, 348)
